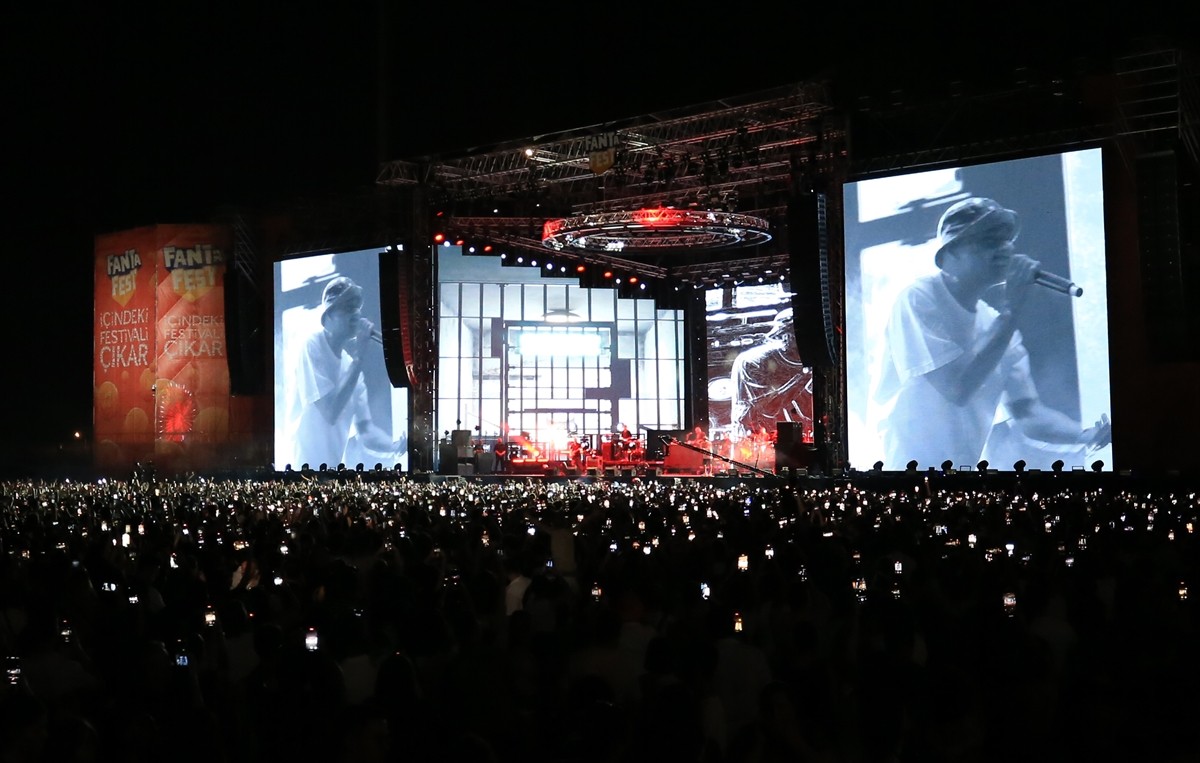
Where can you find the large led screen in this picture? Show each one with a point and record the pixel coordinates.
(756, 377)
(976, 316)
(334, 403)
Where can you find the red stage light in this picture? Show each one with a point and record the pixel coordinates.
(608, 274)
(633, 279)
(439, 238)
(580, 268)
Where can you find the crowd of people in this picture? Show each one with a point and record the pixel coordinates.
(344, 619)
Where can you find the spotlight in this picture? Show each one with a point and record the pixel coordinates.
(947, 466)
(1057, 466)
(1019, 466)
(324, 466)
(1097, 466)
(982, 465)
(378, 466)
(911, 466)
(877, 466)
(358, 467)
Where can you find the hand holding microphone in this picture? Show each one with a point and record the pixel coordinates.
(1057, 283)
(368, 329)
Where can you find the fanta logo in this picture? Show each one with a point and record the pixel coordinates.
(122, 271)
(126, 262)
(196, 257)
(193, 271)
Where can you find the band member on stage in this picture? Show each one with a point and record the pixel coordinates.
(500, 449)
(697, 438)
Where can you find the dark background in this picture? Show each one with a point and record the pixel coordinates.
(121, 118)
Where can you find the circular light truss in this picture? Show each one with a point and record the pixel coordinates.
(646, 230)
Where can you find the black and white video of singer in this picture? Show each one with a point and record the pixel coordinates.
(954, 362)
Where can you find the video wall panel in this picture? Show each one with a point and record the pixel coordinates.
(756, 377)
(334, 402)
(950, 357)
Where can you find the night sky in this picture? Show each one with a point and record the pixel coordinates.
(118, 121)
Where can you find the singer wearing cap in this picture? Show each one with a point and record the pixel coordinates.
(953, 355)
(328, 400)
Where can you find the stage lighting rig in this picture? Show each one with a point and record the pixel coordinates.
(655, 230)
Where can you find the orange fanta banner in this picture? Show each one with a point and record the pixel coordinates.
(124, 347)
(192, 385)
(161, 369)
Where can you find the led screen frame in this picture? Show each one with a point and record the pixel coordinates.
(298, 288)
(891, 238)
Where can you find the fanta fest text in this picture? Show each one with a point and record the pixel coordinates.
(124, 338)
(193, 268)
(194, 336)
(122, 271)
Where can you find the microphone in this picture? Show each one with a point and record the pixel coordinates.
(376, 334)
(1057, 283)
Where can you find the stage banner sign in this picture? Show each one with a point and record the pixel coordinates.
(192, 378)
(125, 348)
(161, 369)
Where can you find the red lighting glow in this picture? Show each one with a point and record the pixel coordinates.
(608, 274)
(580, 268)
(655, 216)
(439, 238)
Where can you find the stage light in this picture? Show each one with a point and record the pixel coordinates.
(378, 466)
(982, 465)
(438, 238)
(358, 467)
(947, 466)
(304, 466)
(911, 466)
(324, 466)
(580, 268)
(1019, 466)
(877, 466)
(1057, 466)
(1097, 466)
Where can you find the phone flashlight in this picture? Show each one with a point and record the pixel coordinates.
(743, 563)
(1010, 603)
(210, 617)
(705, 591)
(12, 670)
(899, 567)
(596, 592)
(311, 641)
